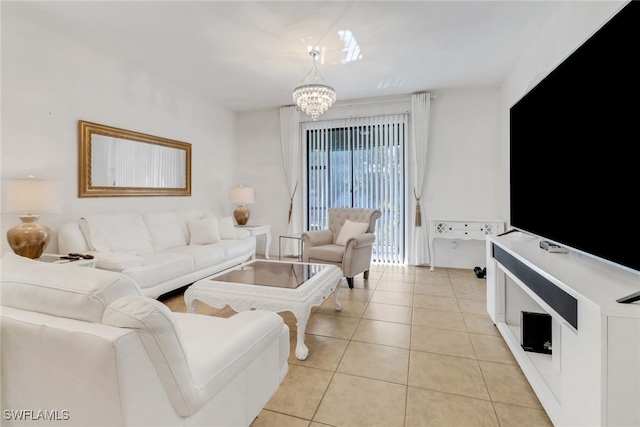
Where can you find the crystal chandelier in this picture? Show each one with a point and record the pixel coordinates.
(315, 98)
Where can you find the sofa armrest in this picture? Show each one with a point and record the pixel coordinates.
(241, 234)
(71, 239)
(317, 238)
(366, 239)
(218, 349)
(357, 254)
(195, 355)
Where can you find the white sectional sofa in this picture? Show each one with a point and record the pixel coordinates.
(161, 251)
(83, 347)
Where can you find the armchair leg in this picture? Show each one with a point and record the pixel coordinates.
(366, 275)
(350, 282)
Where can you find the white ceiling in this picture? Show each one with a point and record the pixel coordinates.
(249, 55)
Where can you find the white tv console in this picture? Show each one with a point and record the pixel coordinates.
(592, 377)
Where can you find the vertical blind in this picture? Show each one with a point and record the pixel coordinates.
(360, 162)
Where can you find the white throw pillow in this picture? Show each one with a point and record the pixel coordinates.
(351, 229)
(227, 231)
(203, 231)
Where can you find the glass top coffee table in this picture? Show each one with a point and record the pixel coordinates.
(270, 285)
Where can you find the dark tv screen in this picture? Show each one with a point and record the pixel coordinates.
(574, 142)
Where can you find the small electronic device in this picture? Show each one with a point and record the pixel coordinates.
(535, 331)
(552, 247)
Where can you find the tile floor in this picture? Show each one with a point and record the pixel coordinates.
(411, 347)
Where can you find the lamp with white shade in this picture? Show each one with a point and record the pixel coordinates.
(29, 198)
(242, 196)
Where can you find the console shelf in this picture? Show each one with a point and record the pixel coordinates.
(592, 376)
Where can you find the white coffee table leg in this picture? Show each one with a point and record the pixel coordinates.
(267, 244)
(191, 305)
(302, 351)
(302, 317)
(336, 304)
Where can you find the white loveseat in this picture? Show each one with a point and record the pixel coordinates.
(84, 347)
(161, 251)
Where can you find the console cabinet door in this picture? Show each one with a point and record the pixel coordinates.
(441, 228)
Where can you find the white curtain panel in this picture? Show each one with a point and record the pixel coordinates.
(419, 227)
(291, 157)
(141, 165)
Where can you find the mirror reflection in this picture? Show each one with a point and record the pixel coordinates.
(117, 162)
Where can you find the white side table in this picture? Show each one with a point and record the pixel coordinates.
(298, 237)
(462, 229)
(55, 259)
(257, 230)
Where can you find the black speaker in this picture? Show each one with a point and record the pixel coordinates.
(536, 332)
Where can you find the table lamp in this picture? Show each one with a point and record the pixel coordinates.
(30, 197)
(242, 196)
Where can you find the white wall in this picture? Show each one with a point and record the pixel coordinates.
(463, 179)
(260, 165)
(49, 83)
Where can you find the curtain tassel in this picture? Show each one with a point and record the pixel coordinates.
(291, 202)
(418, 211)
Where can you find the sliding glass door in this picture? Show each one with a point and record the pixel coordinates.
(359, 163)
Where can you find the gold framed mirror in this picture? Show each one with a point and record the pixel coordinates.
(115, 162)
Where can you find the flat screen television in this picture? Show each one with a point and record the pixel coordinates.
(574, 143)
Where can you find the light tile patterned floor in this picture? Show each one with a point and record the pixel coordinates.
(411, 347)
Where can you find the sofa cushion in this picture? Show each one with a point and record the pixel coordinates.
(160, 267)
(61, 290)
(351, 229)
(114, 261)
(125, 233)
(203, 231)
(329, 253)
(204, 256)
(165, 230)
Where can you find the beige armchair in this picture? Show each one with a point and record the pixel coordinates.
(345, 244)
